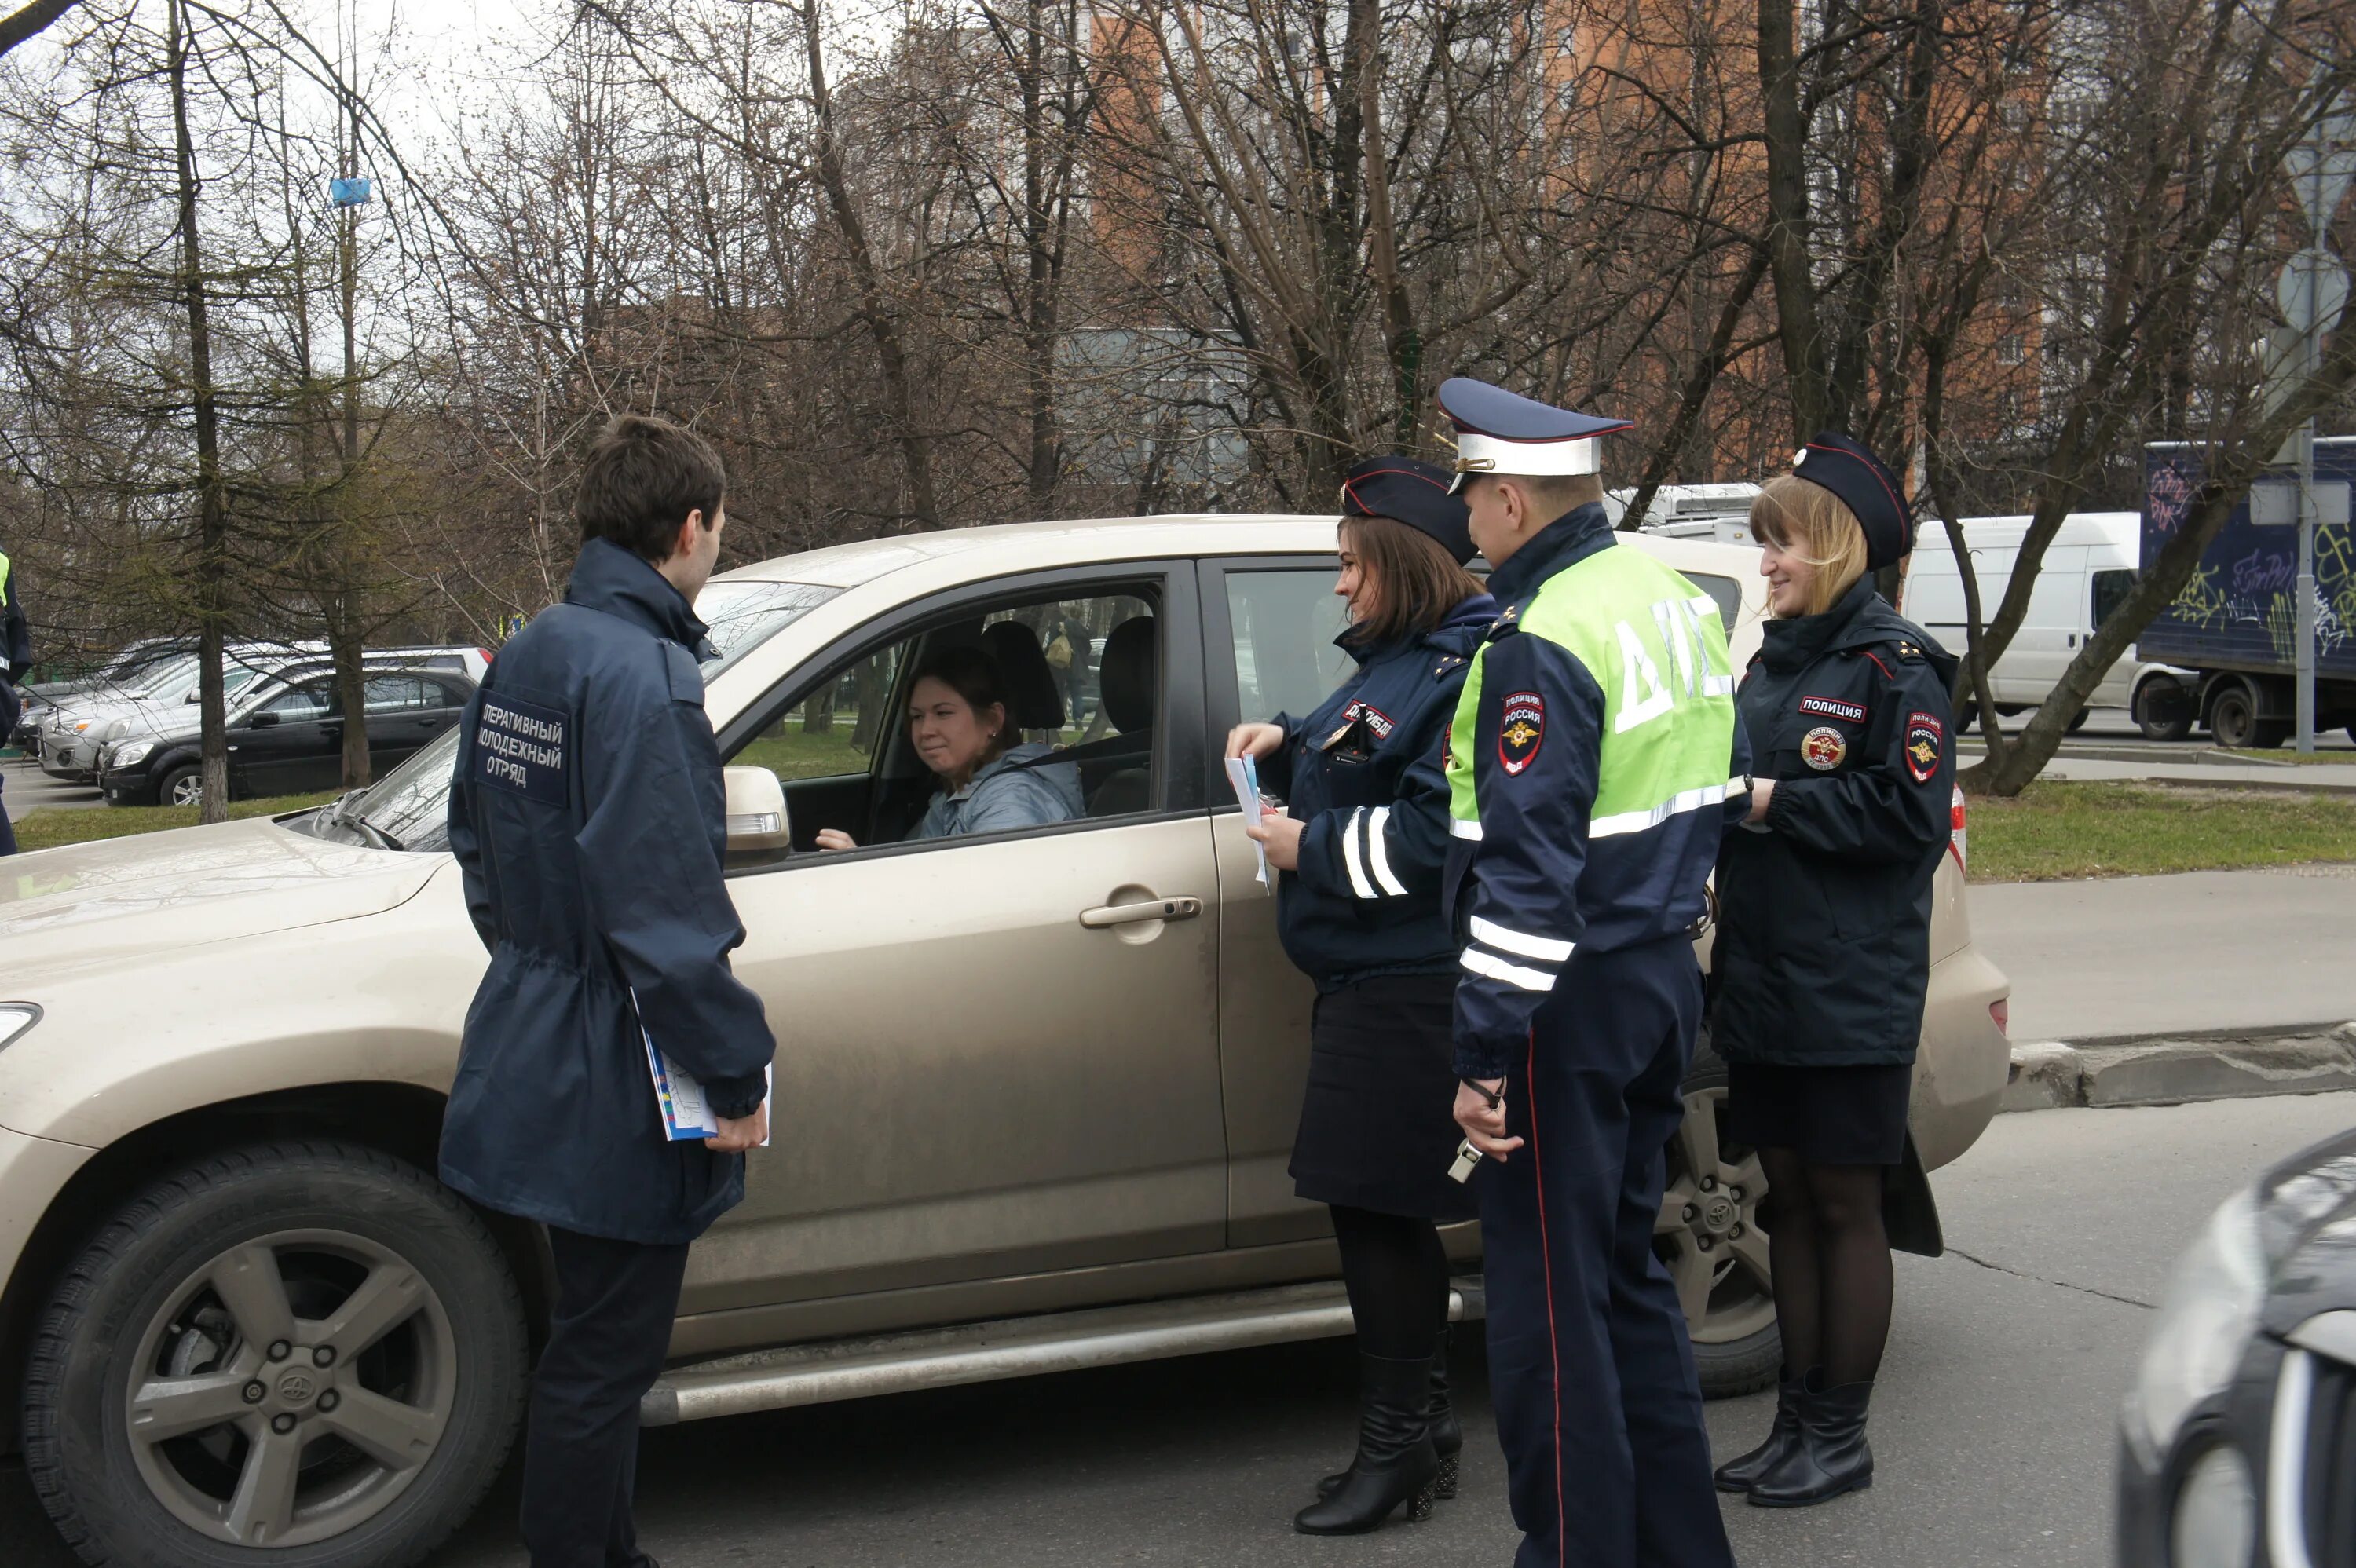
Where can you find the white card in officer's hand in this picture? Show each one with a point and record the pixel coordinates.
(686, 1113)
(1243, 777)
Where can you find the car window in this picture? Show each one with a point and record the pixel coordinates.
(2110, 588)
(312, 699)
(1082, 675)
(1726, 590)
(399, 693)
(412, 803)
(744, 615)
(835, 729)
(1284, 625)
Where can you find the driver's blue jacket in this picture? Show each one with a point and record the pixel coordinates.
(587, 816)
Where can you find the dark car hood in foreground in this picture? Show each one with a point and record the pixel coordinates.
(2306, 1219)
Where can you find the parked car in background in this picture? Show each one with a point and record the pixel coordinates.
(247, 1323)
(2238, 1443)
(2088, 569)
(286, 731)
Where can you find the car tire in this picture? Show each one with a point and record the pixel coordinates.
(184, 785)
(2162, 711)
(1710, 1243)
(376, 1455)
(2078, 720)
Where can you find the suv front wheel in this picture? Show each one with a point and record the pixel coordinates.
(1707, 1237)
(308, 1348)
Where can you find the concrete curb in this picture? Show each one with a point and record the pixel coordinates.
(2171, 1070)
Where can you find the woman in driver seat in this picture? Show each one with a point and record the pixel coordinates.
(957, 722)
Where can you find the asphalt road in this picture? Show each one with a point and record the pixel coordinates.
(1993, 1431)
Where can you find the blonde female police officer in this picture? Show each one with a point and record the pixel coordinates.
(1588, 772)
(1823, 951)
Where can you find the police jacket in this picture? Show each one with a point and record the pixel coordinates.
(587, 815)
(15, 645)
(1588, 770)
(1824, 931)
(1363, 772)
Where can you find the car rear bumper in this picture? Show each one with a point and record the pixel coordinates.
(1965, 1060)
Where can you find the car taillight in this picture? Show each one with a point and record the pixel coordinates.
(2001, 1010)
(1956, 836)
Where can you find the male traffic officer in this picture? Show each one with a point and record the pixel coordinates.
(1588, 773)
(587, 815)
(15, 661)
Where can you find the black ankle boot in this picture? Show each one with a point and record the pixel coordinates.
(1395, 1462)
(1447, 1432)
(1741, 1475)
(1831, 1456)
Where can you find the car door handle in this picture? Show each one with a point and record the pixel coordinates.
(1151, 909)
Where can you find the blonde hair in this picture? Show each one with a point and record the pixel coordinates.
(1812, 523)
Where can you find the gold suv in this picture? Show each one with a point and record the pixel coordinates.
(241, 1313)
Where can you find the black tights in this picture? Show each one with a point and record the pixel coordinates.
(1830, 1257)
(1396, 1273)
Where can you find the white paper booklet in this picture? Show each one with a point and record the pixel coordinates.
(685, 1113)
(1243, 773)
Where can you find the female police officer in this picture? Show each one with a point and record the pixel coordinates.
(1362, 849)
(1823, 949)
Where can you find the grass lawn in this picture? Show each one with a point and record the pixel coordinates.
(50, 826)
(2320, 754)
(2106, 829)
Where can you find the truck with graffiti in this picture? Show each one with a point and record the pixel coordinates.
(2236, 625)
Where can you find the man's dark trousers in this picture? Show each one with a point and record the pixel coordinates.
(1598, 1406)
(606, 1340)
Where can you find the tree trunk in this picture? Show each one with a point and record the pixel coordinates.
(351, 692)
(1788, 242)
(818, 710)
(883, 324)
(212, 501)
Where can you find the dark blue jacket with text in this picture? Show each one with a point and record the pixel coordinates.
(588, 817)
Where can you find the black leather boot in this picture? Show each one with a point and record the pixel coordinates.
(1741, 1475)
(1831, 1456)
(1395, 1462)
(1447, 1432)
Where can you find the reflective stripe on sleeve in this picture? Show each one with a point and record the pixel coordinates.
(1460, 828)
(1379, 856)
(1496, 968)
(1355, 862)
(1638, 821)
(1544, 948)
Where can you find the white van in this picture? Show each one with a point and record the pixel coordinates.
(2088, 570)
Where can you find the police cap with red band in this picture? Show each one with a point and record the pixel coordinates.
(1867, 487)
(1413, 492)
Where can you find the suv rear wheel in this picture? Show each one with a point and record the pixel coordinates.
(1708, 1238)
(308, 1348)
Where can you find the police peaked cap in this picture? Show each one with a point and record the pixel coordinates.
(1498, 431)
(1410, 491)
(1867, 487)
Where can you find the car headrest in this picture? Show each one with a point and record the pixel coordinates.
(1033, 701)
(1127, 674)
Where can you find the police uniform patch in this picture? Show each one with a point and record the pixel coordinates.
(1376, 720)
(1521, 729)
(1924, 738)
(1832, 707)
(1822, 748)
(522, 748)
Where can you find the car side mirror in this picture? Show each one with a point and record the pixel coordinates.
(261, 721)
(758, 831)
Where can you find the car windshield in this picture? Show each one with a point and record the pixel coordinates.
(410, 805)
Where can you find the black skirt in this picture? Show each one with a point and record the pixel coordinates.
(1827, 1115)
(1379, 1124)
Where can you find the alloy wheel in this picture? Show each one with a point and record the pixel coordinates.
(291, 1387)
(1707, 1234)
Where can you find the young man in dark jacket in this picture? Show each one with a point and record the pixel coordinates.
(16, 660)
(588, 816)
